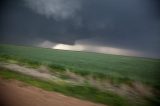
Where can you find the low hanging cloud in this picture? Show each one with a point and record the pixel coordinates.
(57, 9)
(45, 44)
(98, 49)
(78, 46)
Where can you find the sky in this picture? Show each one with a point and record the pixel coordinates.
(123, 27)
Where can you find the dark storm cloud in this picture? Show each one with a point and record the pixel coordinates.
(128, 24)
(20, 24)
(57, 9)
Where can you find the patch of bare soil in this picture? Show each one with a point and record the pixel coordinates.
(16, 93)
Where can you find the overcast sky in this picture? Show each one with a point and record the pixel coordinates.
(130, 25)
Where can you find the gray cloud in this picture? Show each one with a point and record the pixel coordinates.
(45, 44)
(57, 9)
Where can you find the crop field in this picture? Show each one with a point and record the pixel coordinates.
(115, 68)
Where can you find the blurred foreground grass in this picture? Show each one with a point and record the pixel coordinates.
(82, 92)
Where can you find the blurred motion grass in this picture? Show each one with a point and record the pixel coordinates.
(82, 92)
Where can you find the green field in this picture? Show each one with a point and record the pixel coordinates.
(104, 68)
(112, 66)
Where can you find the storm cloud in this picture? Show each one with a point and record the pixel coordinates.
(122, 24)
(57, 9)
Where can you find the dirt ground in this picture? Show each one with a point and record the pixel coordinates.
(16, 93)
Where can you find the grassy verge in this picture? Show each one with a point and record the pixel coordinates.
(82, 92)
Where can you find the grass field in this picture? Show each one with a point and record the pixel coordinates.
(112, 66)
(117, 69)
